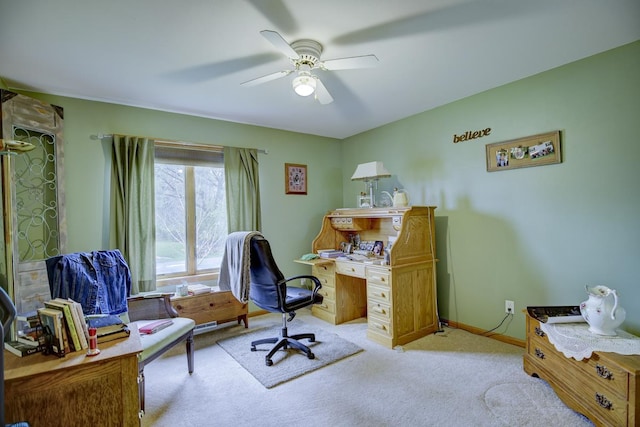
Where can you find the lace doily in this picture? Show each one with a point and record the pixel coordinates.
(575, 340)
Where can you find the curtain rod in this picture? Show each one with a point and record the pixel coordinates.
(101, 136)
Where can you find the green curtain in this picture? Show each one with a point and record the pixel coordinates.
(243, 189)
(132, 225)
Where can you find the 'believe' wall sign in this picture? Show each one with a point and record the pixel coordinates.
(469, 135)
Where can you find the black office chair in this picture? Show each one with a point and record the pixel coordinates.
(269, 291)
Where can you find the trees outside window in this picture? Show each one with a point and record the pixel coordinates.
(190, 206)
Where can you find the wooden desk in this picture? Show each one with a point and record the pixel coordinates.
(75, 390)
(398, 299)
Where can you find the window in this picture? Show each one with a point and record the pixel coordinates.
(191, 213)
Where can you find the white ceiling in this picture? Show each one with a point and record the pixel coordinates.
(191, 56)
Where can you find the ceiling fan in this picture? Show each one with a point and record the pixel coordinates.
(304, 55)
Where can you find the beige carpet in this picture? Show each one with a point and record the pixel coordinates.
(288, 364)
(451, 379)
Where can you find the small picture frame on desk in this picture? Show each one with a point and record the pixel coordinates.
(378, 248)
(295, 178)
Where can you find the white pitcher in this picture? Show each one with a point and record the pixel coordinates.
(400, 198)
(601, 310)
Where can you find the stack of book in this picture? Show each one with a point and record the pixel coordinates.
(109, 327)
(330, 253)
(28, 327)
(64, 326)
(29, 338)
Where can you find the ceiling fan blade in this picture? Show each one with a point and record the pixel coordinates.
(322, 94)
(366, 61)
(279, 43)
(267, 78)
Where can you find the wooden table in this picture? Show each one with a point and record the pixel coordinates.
(75, 390)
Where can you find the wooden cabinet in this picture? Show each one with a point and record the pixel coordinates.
(75, 390)
(399, 299)
(605, 387)
(218, 306)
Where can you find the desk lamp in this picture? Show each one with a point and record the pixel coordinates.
(370, 173)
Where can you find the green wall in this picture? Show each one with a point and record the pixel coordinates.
(537, 235)
(290, 222)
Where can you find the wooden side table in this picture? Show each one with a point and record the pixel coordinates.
(75, 390)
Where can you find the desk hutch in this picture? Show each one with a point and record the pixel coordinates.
(398, 299)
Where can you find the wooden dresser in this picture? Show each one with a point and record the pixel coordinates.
(605, 387)
(75, 390)
(399, 299)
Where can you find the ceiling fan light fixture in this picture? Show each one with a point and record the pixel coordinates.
(304, 84)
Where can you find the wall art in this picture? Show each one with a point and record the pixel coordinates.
(536, 150)
(295, 178)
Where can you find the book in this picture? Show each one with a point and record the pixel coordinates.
(20, 349)
(52, 324)
(105, 324)
(198, 289)
(28, 340)
(70, 326)
(124, 332)
(84, 344)
(153, 327)
(83, 324)
(31, 336)
(29, 317)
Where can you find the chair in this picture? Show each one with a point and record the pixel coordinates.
(269, 291)
(71, 275)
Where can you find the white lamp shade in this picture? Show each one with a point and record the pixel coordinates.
(371, 170)
(304, 84)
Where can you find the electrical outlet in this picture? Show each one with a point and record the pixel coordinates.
(509, 307)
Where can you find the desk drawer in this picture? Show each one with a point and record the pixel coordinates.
(326, 281)
(326, 305)
(326, 268)
(328, 293)
(379, 276)
(379, 325)
(379, 309)
(379, 293)
(350, 269)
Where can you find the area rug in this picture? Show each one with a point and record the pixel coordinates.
(287, 364)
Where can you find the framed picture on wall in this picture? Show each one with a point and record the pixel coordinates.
(295, 178)
(536, 150)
